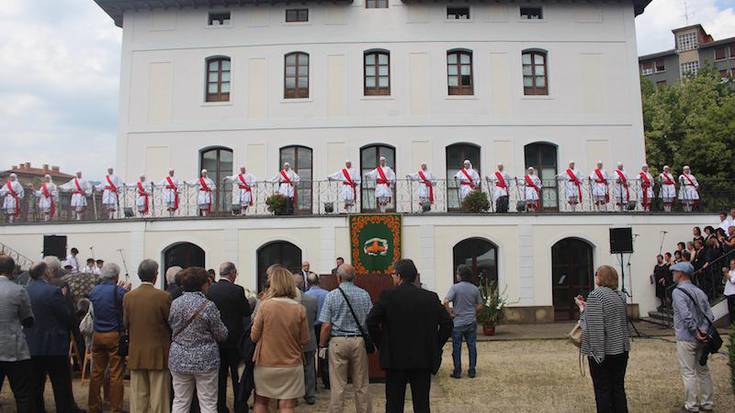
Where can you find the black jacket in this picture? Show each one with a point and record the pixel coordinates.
(410, 326)
(247, 380)
(233, 307)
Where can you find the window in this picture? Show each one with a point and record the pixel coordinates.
(296, 75)
(297, 15)
(369, 157)
(480, 255)
(218, 79)
(689, 68)
(660, 83)
(660, 66)
(531, 13)
(377, 73)
(300, 158)
(277, 252)
(542, 157)
(456, 154)
(376, 4)
(720, 53)
(647, 68)
(458, 13)
(218, 163)
(459, 72)
(724, 74)
(687, 41)
(221, 18)
(535, 80)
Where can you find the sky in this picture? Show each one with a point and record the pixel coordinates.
(60, 67)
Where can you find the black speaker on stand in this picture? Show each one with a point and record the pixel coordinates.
(621, 242)
(55, 246)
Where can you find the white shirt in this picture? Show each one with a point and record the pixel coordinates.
(730, 283)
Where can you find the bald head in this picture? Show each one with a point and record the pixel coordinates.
(346, 272)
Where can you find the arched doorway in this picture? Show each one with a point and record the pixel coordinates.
(277, 252)
(218, 163)
(183, 254)
(542, 157)
(369, 159)
(480, 254)
(300, 159)
(572, 274)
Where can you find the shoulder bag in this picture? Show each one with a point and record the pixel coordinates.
(191, 319)
(369, 345)
(714, 341)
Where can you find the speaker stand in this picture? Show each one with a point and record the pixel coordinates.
(627, 294)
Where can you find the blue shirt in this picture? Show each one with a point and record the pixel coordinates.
(688, 316)
(464, 297)
(320, 294)
(107, 312)
(336, 312)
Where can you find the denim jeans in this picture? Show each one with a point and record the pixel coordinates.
(469, 333)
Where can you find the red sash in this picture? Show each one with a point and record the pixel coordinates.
(245, 187)
(689, 179)
(428, 185)
(624, 180)
(645, 184)
(471, 183)
(142, 192)
(174, 188)
(205, 188)
(111, 187)
(47, 195)
(287, 180)
(350, 182)
(501, 181)
(529, 182)
(382, 180)
(668, 180)
(575, 181)
(601, 180)
(79, 191)
(15, 196)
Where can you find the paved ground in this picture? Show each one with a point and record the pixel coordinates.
(535, 374)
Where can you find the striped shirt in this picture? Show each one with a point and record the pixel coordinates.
(336, 312)
(605, 324)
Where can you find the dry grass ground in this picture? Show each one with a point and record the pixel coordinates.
(534, 376)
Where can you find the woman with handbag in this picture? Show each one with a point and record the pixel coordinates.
(194, 355)
(280, 331)
(606, 340)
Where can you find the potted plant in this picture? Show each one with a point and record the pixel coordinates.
(493, 303)
(276, 204)
(476, 202)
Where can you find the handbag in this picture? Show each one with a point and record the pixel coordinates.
(191, 319)
(123, 344)
(714, 341)
(369, 345)
(575, 336)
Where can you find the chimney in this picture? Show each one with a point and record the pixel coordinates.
(14, 167)
(55, 168)
(45, 167)
(28, 165)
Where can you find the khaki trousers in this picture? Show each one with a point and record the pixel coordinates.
(104, 354)
(347, 354)
(697, 381)
(150, 391)
(206, 385)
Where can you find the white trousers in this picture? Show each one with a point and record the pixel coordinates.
(206, 385)
(697, 381)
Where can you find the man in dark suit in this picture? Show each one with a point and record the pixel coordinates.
(48, 338)
(312, 306)
(302, 276)
(173, 282)
(234, 309)
(410, 326)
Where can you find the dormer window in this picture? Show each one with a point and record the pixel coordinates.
(532, 13)
(219, 18)
(297, 15)
(458, 13)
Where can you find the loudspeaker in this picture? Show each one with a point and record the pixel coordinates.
(621, 240)
(54, 245)
(128, 212)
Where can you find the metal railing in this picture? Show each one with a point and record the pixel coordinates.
(323, 198)
(21, 261)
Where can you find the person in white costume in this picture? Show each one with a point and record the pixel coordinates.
(143, 195)
(48, 198)
(621, 187)
(499, 183)
(80, 189)
(205, 187)
(599, 182)
(11, 193)
(425, 190)
(572, 179)
(171, 187)
(287, 180)
(532, 190)
(384, 178)
(111, 186)
(243, 183)
(645, 188)
(350, 179)
(668, 188)
(468, 180)
(688, 189)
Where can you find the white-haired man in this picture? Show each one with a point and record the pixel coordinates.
(600, 191)
(205, 186)
(668, 188)
(384, 178)
(572, 179)
(350, 179)
(425, 190)
(80, 189)
(645, 188)
(243, 184)
(500, 182)
(47, 197)
(688, 189)
(143, 195)
(532, 190)
(11, 193)
(468, 180)
(287, 179)
(110, 187)
(621, 187)
(171, 186)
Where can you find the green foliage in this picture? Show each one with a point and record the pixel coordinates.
(276, 204)
(493, 303)
(476, 202)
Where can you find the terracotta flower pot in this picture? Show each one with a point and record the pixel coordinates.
(488, 330)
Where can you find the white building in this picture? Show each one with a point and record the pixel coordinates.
(315, 83)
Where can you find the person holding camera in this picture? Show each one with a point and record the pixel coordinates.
(692, 318)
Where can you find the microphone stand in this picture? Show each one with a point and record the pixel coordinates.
(125, 266)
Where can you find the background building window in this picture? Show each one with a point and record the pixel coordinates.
(542, 157)
(300, 158)
(218, 79)
(535, 76)
(459, 72)
(720, 53)
(377, 73)
(220, 18)
(297, 15)
(532, 13)
(277, 252)
(479, 254)
(369, 156)
(646, 69)
(660, 65)
(458, 13)
(218, 163)
(296, 75)
(687, 41)
(689, 68)
(456, 155)
(376, 4)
